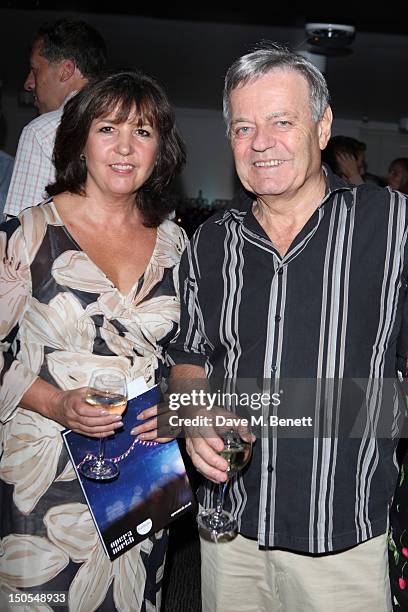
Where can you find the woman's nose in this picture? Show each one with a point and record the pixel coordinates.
(124, 144)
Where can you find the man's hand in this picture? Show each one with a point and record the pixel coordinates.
(205, 457)
(204, 442)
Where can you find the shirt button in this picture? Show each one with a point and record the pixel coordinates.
(270, 468)
(274, 368)
(277, 318)
(280, 271)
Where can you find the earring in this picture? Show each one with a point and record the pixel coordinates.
(82, 157)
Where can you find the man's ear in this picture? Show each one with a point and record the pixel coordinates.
(67, 69)
(325, 128)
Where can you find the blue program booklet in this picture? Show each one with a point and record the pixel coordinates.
(152, 488)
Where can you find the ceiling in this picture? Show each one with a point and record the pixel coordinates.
(368, 19)
(190, 51)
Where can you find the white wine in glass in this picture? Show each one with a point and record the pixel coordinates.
(108, 390)
(217, 524)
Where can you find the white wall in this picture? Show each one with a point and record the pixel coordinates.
(210, 165)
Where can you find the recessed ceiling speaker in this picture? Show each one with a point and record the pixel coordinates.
(329, 35)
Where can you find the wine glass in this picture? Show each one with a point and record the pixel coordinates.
(107, 389)
(217, 524)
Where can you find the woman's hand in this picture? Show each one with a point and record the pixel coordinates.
(349, 168)
(148, 429)
(70, 409)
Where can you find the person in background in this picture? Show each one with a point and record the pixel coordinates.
(6, 170)
(346, 158)
(87, 281)
(64, 57)
(397, 177)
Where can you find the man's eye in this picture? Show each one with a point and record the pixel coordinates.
(241, 131)
(284, 123)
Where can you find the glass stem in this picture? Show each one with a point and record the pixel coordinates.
(222, 487)
(101, 451)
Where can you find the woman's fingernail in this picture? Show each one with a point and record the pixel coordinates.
(133, 431)
(118, 417)
(141, 416)
(118, 425)
(103, 413)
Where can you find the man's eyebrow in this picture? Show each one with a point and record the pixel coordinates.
(273, 115)
(278, 114)
(241, 120)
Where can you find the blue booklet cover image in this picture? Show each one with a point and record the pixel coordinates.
(152, 488)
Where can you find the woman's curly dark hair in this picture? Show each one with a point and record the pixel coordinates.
(121, 93)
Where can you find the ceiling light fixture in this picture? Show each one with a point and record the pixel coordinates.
(329, 35)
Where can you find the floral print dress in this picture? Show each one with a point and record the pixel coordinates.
(398, 535)
(60, 319)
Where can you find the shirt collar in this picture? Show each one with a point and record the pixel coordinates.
(335, 184)
(69, 96)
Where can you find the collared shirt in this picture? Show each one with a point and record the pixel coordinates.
(33, 166)
(329, 309)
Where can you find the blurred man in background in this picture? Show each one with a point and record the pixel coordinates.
(64, 56)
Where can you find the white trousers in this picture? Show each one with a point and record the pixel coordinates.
(238, 577)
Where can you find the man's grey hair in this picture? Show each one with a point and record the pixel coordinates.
(264, 59)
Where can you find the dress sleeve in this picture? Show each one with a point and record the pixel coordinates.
(190, 346)
(15, 291)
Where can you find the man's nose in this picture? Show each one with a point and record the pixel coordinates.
(29, 84)
(264, 138)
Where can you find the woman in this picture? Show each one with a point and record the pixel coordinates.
(87, 282)
(346, 158)
(397, 177)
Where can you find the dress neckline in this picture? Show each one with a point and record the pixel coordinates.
(137, 285)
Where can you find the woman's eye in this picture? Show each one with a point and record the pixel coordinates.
(106, 129)
(142, 132)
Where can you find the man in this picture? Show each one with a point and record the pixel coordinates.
(306, 286)
(65, 55)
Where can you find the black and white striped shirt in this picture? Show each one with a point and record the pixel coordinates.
(330, 309)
